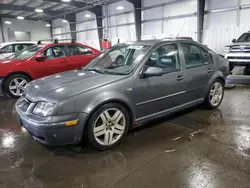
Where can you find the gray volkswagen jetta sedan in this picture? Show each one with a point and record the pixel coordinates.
(122, 88)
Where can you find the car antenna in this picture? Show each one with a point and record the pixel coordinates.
(181, 28)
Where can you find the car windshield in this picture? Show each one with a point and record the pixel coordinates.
(119, 60)
(26, 53)
(244, 38)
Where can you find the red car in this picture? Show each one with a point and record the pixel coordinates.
(41, 60)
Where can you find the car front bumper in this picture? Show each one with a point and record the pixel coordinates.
(55, 131)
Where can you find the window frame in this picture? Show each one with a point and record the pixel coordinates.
(65, 49)
(200, 49)
(12, 51)
(144, 68)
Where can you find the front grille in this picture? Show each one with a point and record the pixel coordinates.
(24, 104)
(244, 49)
(240, 51)
(238, 57)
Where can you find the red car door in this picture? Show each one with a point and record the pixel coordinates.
(55, 62)
(79, 56)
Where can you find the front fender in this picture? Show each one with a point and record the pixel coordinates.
(107, 97)
(89, 102)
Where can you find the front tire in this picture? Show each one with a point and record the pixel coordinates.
(15, 84)
(215, 95)
(107, 126)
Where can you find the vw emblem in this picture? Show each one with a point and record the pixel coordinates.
(242, 48)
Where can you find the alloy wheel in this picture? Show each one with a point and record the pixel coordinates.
(109, 127)
(17, 86)
(216, 94)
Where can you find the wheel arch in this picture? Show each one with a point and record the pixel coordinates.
(119, 101)
(217, 76)
(13, 73)
(19, 72)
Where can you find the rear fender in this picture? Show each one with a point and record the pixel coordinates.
(217, 75)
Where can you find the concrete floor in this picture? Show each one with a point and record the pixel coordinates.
(197, 148)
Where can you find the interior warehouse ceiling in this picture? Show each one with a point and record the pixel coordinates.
(51, 8)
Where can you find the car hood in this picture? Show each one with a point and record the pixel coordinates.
(60, 86)
(239, 44)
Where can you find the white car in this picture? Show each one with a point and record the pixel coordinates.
(9, 48)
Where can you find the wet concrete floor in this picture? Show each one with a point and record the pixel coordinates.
(197, 148)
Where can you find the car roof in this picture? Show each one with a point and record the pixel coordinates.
(157, 41)
(61, 43)
(22, 42)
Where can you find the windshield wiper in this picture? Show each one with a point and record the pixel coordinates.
(96, 70)
(116, 73)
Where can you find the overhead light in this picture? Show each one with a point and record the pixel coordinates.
(87, 15)
(7, 22)
(39, 10)
(20, 17)
(47, 25)
(64, 21)
(120, 8)
(66, 1)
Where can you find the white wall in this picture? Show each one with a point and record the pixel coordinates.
(221, 27)
(1, 38)
(37, 30)
(60, 29)
(87, 29)
(121, 26)
(157, 25)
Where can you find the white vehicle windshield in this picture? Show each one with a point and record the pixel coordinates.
(26, 53)
(119, 60)
(244, 38)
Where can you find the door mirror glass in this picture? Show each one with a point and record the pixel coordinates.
(87, 51)
(234, 40)
(40, 57)
(153, 71)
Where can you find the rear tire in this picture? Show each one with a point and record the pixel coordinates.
(215, 95)
(107, 126)
(14, 85)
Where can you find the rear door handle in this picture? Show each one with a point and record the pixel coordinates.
(209, 70)
(180, 78)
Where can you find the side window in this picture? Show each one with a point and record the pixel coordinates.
(7, 49)
(18, 47)
(207, 57)
(55, 52)
(192, 54)
(26, 46)
(165, 57)
(75, 50)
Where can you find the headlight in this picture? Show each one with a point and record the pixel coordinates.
(227, 48)
(43, 109)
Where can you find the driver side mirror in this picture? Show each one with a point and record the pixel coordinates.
(153, 71)
(88, 52)
(40, 57)
(234, 40)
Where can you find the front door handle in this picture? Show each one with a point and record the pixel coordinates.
(209, 70)
(180, 78)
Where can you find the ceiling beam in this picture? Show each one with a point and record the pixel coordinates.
(26, 9)
(72, 3)
(14, 17)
